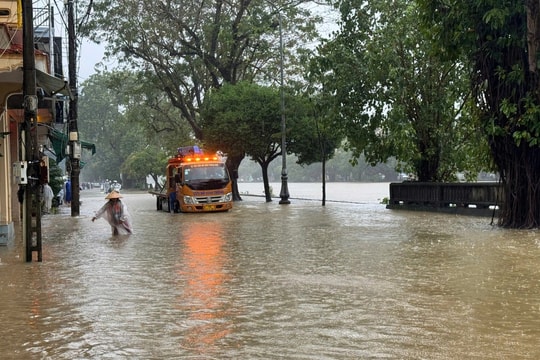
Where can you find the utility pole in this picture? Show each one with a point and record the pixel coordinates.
(32, 193)
(74, 144)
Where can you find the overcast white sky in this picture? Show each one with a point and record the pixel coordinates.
(89, 55)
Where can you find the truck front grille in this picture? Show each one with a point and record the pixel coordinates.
(208, 199)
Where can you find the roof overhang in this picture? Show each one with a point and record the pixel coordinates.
(50, 84)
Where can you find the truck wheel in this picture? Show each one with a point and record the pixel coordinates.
(165, 205)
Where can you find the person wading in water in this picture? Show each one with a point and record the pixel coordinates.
(116, 213)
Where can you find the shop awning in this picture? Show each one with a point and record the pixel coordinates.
(50, 84)
(60, 141)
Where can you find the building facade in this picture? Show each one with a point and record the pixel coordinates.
(52, 91)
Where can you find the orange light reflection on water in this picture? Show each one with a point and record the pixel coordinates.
(203, 277)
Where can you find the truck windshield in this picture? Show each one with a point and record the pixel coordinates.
(206, 176)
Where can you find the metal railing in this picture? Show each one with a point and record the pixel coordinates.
(482, 198)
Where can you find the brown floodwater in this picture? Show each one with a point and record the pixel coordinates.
(351, 280)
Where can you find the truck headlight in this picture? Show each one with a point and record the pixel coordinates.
(227, 197)
(189, 200)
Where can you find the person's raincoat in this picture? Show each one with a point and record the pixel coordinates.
(116, 214)
(47, 197)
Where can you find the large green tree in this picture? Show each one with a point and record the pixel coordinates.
(500, 41)
(315, 135)
(395, 97)
(133, 124)
(98, 116)
(191, 47)
(147, 106)
(149, 161)
(245, 119)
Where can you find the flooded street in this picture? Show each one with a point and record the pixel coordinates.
(351, 280)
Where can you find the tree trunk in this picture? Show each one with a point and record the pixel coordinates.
(533, 32)
(427, 167)
(520, 174)
(323, 181)
(233, 163)
(267, 191)
(157, 186)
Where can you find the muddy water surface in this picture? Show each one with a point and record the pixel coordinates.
(350, 280)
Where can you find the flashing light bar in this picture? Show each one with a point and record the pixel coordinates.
(189, 150)
(207, 158)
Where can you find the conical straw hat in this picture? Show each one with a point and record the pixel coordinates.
(113, 195)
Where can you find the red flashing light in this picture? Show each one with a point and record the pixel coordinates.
(195, 159)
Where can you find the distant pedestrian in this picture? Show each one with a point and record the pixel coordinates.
(67, 193)
(60, 197)
(47, 198)
(116, 213)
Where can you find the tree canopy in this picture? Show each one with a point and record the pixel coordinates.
(246, 119)
(192, 47)
(100, 122)
(395, 97)
(119, 114)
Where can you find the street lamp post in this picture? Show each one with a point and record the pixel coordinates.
(284, 193)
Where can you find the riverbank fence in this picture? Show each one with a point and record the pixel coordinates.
(479, 198)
